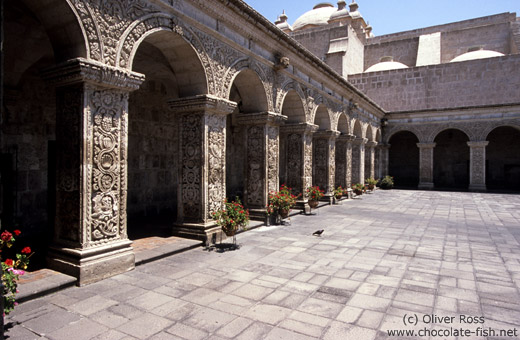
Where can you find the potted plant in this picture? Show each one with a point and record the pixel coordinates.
(358, 189)
(281, 202)
(314, 194)
(12, 269)
(232, 217)
(371, 183)
(386, 183)
(338, 192)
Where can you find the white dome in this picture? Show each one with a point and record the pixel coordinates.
(318, 16)
(480, 54)
(385, 66)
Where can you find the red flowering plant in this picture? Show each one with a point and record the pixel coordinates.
(282, 200)
(12, 269)
(314, 193)
(232, 217)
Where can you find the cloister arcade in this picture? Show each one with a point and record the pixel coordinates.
(122, 116)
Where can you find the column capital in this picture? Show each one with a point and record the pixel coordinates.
(202, 103)
(81, 70)
(327, 134)
(346, 137)
(478, 144)
(261, 118)
(360, 141)
(299, 128)
(371, 144)
(383, 146)
(426, 145)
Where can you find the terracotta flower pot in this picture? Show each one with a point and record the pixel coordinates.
(284, 212)
(229, 230)
(313, 204)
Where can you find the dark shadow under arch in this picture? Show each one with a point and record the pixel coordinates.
(404, 159)
(451, 160)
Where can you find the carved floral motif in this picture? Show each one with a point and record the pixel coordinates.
(272, 158)
(255, 165)
(294, 162)
(216, 161)
(191, 165)
(321, 146)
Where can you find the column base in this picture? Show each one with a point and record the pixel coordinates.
(95, 264)
(197, 231)
(329, 198)
(258, 214)
(477, 187)
(426, 186)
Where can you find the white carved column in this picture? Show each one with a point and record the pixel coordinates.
(324, 163)
(426, 165)
(477, 165)
(202, 187)
(298, 167)
(90, 234)
(370, 159)
(358, 160)
(262, 165)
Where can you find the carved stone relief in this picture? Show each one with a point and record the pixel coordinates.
(478, 162)
(191, 143)
(216, 161)
(321, 147)
(307, 160)
(272, 158)
(109, 126)
(341, 164)
(294, 162)
(255, 165)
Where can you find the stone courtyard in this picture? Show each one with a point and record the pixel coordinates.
(383, 260)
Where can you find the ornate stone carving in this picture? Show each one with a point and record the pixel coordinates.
(216, 124)
(332, 164)
(272, 158)
(321, 146)
(477, 165)
(426, 165)
(307, 160)
(294, 161)
(341, 163)
(255, 165)
(108, 114)
(191, 143)
(68, 136)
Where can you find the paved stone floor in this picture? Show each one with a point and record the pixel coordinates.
(441, 262)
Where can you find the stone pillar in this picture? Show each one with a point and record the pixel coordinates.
(358, 160)
(426, 165)
(262, 165)
(477, 165)
(377, 166)
(324, 163)
(202, 184)
(298, 167)
(344, 160)
(370, 157)
(385, 159)
(90, 235)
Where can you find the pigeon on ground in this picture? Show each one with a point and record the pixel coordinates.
(318, 232)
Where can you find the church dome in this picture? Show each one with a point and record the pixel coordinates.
(476, 54)
(318, 16)
(386, 63)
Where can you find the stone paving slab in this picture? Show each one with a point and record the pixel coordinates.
(382, 256)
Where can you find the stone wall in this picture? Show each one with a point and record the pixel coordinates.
(470, 83)
(403, 51)
(152, 153)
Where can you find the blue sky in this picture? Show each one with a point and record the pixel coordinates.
(387, 16)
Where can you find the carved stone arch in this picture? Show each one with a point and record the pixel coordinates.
(289, 85)
(437, 129)
(67, 46)
(370, 135)
(322, 116)
(492, 126)
(358, 129)
(293, 104)
(343, 123)
(264, 74)
(392, 130)
(140, 30)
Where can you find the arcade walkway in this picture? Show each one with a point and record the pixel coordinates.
(385, 256)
